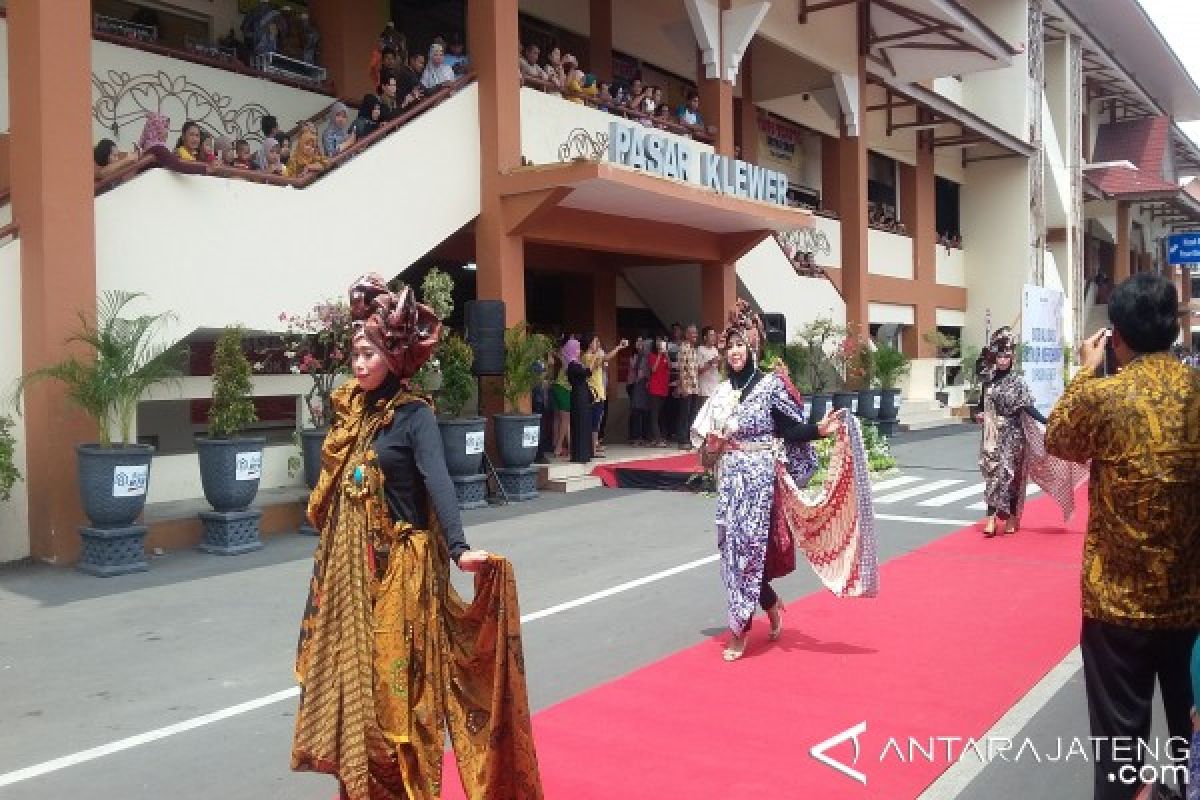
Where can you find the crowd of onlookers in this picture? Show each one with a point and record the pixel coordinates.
(562, 73)
(668, 378)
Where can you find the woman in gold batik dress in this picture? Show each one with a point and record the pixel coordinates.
(389, 655)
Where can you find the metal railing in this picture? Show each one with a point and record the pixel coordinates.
(208, 49)
(278, 64)
(120, 27)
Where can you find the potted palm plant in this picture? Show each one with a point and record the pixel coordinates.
(518, 434)
(125, 357)
(230, 461)
(890, 366)
(970, 373)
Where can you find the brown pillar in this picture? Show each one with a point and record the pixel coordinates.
(493, 45)
(50, 108)
(604, 305)
(718, 292)
(920, 216)
(852, 210)
(349, 34)
(1121, 269)
(600, 39)
(830, 173)
(716, 102)
(748, 118)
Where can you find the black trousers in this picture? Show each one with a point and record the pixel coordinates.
(766, 595)
(689, 407)
(1120, 667)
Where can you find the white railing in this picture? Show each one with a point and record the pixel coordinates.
(889, 254)
(951, 266)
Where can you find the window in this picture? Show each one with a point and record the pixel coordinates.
(949, 222)
(881, 184)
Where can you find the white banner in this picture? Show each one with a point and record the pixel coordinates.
(249, 466)
(1042, 344)
(474, 443)
(130, 481)
(531, 435)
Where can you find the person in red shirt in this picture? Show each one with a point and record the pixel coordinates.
(659, 387)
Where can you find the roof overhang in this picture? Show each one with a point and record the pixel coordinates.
(933, 111)
(608, 207)
(917, 40)
(1121, 41)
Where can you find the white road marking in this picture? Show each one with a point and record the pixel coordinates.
(54, 765)
(956, 523)
(892, 483)
(915, 491)
(949, 497)
(953, 781)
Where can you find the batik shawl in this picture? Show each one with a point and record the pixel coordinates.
(388, 650)
(763, 517)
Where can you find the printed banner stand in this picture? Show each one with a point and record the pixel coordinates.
(1042, 344)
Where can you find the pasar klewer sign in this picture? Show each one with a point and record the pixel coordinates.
(672, 157)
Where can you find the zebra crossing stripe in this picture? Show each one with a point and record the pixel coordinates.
(950, 497)
(915, 491)
(892, 483)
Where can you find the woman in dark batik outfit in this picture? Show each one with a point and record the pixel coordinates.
(1006, 397)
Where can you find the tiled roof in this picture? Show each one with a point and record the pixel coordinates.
(1141, 141)
(1123, 180)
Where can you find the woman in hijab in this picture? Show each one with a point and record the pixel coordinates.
(306, 156)
(268, 155)
(338, 135)
(226, 151)
(369, 112)
(154, 132)
(581, 402)
(389, 656)
(437, 71)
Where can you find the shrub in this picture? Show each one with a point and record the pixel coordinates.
(232, 410)
(522, 349)
(455, 357)
(890, 366)
(9, 474)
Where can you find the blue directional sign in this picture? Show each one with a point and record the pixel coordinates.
(1183, 248)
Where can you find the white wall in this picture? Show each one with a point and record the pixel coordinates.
(818, 110)
(268, 249)
(832, 228)
(889, 254)
(995, 221)
(769, 278)
(998, 95)
(126, 83)
(177, 477)
(14, 515)
(891, 313)
(951, 266)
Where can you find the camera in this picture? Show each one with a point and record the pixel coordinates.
(1110, 355)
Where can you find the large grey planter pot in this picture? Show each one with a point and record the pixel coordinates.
(868, 403)
(844, 400)
(820, 407)
(230, 470)
(517, 438)
(889, 407)
(462, 441)
(311, 440)
(113, 482)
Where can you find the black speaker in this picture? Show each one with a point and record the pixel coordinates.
(776, 325)
(485, 334)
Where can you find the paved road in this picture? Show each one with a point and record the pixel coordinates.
(85, 662)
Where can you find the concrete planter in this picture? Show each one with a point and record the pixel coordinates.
(844, 400)
(230, 470)
(113, 482)
(820, 407)
(868, 403)
(517, 439)
(889, 406)
(311, 441)
(462, 441)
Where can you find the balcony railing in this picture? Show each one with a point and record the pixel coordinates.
(697, 133)
(125, 29)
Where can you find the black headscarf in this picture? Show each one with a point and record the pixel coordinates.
(364, 125)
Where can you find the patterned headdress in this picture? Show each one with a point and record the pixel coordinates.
(1003, 342)
(404, 330)
(745, 324)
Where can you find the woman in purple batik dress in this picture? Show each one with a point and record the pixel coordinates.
(753, 421)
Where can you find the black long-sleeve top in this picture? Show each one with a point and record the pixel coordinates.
(1030, 410)
(792, 431)
(414, 471)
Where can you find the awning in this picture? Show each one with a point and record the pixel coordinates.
(932, 112)
(917, 40)
(608, 207)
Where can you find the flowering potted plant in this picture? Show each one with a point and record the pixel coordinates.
(843, 358)
(860, 372)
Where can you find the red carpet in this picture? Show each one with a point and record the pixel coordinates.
(668, 472)
(963, 628)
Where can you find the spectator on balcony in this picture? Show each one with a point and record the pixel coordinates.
(306, 158)
(226, 150)
(310, 38)
(528, 63)
(108, 158)
(637, 93)
(456, 56)
(604, 97)
(285, 147)
(241, 154)
(689, 112)
(413, 70)
(553, 68)
(270, 157)
(154, 133)
(188, 145)
(579, 85)
(437, 71)
(270, 33)
(338, 135)
(208, 150)
(370, 111)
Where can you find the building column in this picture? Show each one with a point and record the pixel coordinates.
(716, 101)
(1121, 268)
(604, 305)
(718, 292)
(852, 211)
(748, 118)
(500, 257)
(921, 220)
(50, 47)
(600, 40)
(349, 34)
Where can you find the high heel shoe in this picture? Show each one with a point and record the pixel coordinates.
(775, 615)
(736, 647)
(989, 530)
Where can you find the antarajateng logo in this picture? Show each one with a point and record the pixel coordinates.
(1134, 761)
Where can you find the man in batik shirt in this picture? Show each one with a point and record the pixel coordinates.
(1140, 428)
(689, 387)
